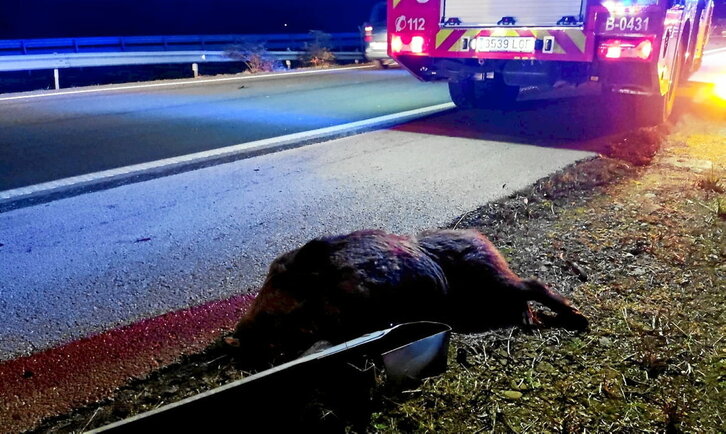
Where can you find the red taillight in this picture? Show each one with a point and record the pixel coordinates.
(417, 44)
(368, 33)
(633, 49)
(396, 44)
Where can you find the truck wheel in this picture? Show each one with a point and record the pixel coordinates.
(495, 94)
(462, 93)
(654, 110)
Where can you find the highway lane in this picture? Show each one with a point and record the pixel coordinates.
(89, 263)
(59, 136)
(84, 264)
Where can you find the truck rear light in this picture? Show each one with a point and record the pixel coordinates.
(625, 49)
(408, 44)
(620, 7)
(396, 44)
(368, 33)
(417, 44)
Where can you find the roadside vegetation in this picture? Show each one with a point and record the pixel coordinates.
(635, 237)
(248, 57)
(318, 52)
(645, 259)
(255, 58)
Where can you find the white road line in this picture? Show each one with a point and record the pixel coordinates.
(167, 164)
(714, 51)
(181, 83)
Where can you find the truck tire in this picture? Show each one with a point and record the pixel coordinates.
(486, 94)
(655, 109)
(462, 93)
(495, 94)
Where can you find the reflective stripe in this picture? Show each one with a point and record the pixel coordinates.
(578, 37)
(567, 41)
(458, 45)
(442, 35)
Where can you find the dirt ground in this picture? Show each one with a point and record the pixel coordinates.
(635, 238)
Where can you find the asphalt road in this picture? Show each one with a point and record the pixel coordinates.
(58, 136)
(88, 263)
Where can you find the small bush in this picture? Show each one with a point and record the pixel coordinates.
(255, 57)
(712, 181)
(318, 52)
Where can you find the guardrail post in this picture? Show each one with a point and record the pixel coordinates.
(195, 70)
(56, 78)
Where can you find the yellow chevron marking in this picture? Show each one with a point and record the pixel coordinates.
(457, 46)
(396, 2)
(472, 33)
(505, 32)
(442, 35)
(578, 37)
(557, 49)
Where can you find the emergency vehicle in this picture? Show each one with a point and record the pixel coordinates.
(635, 51)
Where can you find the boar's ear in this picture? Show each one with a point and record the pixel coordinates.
(232, 342)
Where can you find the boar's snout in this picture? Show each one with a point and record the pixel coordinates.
(267, 340)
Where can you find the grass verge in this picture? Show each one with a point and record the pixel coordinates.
(644, 259)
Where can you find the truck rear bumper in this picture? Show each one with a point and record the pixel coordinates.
(621, 77)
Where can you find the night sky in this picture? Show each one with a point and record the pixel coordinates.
(24, 19)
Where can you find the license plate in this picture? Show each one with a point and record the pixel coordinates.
(517, 44)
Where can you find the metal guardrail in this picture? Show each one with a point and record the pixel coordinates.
(55, 54)
(272, 42)
(80, 60)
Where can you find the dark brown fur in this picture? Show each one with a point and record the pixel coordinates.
(337, 288)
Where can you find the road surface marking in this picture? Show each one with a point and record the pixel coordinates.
(160, 167)
(180, 83)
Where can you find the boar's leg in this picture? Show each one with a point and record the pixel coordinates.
(568, 315)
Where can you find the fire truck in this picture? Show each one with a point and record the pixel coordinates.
(634, 51)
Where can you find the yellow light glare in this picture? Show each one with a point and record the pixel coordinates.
(719, 88)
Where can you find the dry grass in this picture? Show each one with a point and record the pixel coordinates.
(655, 358)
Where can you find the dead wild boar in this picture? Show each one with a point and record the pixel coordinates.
(336, 288)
